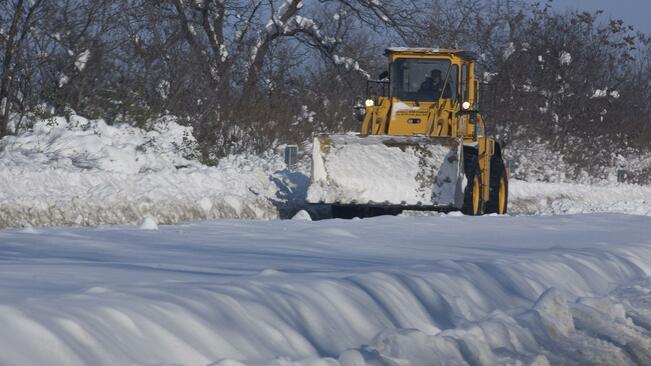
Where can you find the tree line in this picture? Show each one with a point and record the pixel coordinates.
(250, 74)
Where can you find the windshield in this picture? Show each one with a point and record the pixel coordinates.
(422, 79)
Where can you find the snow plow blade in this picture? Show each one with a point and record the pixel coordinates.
(387, 171)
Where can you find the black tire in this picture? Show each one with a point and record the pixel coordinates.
(472, 171)
(498, 174)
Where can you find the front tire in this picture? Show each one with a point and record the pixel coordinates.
(473, 204)
(499, 187)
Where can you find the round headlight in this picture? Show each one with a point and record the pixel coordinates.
(465, 106)
(369, 103)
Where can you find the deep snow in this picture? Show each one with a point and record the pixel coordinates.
(443, 289)
(84, 172)
(536, 198)
(529, 290)
(77, 171)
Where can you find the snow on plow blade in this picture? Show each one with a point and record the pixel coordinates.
(408, 171)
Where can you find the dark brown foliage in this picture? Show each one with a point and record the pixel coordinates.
(247, 80)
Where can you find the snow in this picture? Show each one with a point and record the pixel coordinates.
(376, 169)
(565, 58)
(487, 77)
(223, 52)
(350, 64)
(76, 171)
(529, 290)
(414, 49)
(599, 93)
(82, 60)
(63, 80)
(163, 89)
(539, 287)
(149, 224)
(191, 29)
(302, 215)
(567, 198)
(305, 116)
(76, 143)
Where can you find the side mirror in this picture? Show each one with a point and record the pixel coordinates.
(383, 75)
(359, 111)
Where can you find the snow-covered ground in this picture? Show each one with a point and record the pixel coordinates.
(448, 290)
(536, 198)
(83, 172)
(534, 288)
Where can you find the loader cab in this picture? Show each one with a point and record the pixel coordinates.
(427, 107)
(422, 79)
(427, 90)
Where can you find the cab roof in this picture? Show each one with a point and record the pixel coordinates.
(431, 51)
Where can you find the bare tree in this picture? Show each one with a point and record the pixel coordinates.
(22, 18)
(249, 74)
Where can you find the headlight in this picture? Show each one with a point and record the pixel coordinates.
(369, 103)
(465, 106)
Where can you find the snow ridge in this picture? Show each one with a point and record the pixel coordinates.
(75, 171)
(532, 291)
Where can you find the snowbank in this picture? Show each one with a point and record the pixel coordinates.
(528, 290)
(539, 161)
(84, 172)
(76, 171)
(535, 198)
(78, 144)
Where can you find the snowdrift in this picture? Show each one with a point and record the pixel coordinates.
(83, 172)
(75, 171)
(527, 290)
(536, 198)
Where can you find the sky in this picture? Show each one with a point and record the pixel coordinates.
(633, 12)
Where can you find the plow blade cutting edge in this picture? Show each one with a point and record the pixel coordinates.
(387, 171)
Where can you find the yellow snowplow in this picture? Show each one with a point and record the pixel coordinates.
(422, 143)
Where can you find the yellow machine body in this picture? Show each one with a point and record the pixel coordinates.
(406, 111)
(437, 118)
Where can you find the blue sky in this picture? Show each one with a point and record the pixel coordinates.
(634, 12)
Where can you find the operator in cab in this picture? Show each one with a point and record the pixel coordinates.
(433, 85)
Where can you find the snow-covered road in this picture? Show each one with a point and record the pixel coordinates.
(384, 291)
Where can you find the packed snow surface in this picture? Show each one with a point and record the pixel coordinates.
(448, 290)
